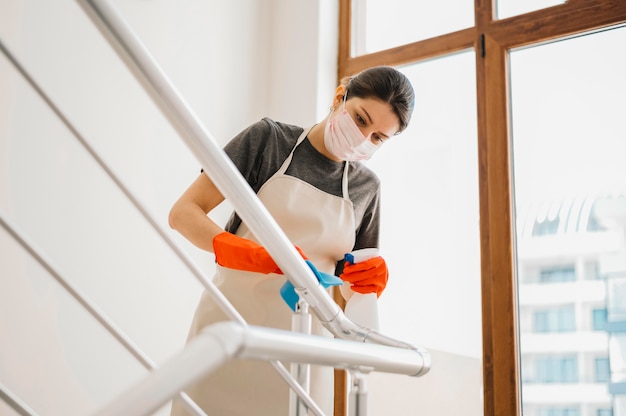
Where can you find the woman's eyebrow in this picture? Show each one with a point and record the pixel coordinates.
(369, 118)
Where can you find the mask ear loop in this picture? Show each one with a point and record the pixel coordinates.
(332, 108)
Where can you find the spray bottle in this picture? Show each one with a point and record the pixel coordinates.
(362, 308)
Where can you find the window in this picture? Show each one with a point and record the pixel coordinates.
(559, 154)
(556, 370)
(555, 320)
(604, 412)
(558, 274)
(428, 149)
(508, 8)
(602, 370)
(546, 227)
(497, 68)
(556, 411)
(383, 24)
(599, 319)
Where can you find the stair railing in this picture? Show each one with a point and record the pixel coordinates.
(223, 341)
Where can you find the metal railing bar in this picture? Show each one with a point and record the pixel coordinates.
(224, 341)
(293, 383)
(84, 301)
(15, 402)
(74, 292)
(223, 303)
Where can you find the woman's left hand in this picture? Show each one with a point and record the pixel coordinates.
(369, 276)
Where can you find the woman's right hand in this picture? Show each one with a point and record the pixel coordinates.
(240, 253)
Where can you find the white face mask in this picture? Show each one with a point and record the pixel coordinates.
(344, 140)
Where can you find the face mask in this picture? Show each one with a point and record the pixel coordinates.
(344, 140)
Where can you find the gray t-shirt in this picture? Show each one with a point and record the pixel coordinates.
(260, 150)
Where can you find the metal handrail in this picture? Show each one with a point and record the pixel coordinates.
(224, 341)
(15, 402)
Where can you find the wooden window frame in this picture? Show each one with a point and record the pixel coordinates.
(492, 39)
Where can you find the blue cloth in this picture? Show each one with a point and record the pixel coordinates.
(288, 292)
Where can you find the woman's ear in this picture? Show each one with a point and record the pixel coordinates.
(339, 93)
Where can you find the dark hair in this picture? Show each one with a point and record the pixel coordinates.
(386, 84)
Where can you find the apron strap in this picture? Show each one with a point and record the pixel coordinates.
(287, 162)
(344, 181)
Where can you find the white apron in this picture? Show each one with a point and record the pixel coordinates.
(322, 225)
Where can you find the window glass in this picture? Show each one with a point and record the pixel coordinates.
(558, 411)
(508, 8)
(599, 319)
(430, 239)
(555, 320)
(557, 274)
(568, 147)
(383, 24)
(602, 370)
(556, 370)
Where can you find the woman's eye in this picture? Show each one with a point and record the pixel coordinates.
(360, 120)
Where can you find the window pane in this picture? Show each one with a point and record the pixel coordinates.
(508, 8)
(602, 370)
(383, 24)
(558, 274)
(556, 370)
(557, 411)
(555, 320)
(567, 102)
(430, 239)
(599, 319)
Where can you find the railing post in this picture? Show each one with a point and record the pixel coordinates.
(300, 322)
(357, 405)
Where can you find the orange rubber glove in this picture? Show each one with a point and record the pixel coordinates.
(369, 276)
(238, 253)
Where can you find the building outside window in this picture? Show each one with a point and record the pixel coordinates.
(558, 274)
(559, 412)
(599, 319)
(603, 370)
(561, 319)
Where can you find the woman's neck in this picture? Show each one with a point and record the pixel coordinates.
(316, 137)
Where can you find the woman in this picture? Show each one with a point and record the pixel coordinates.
(325, 201)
